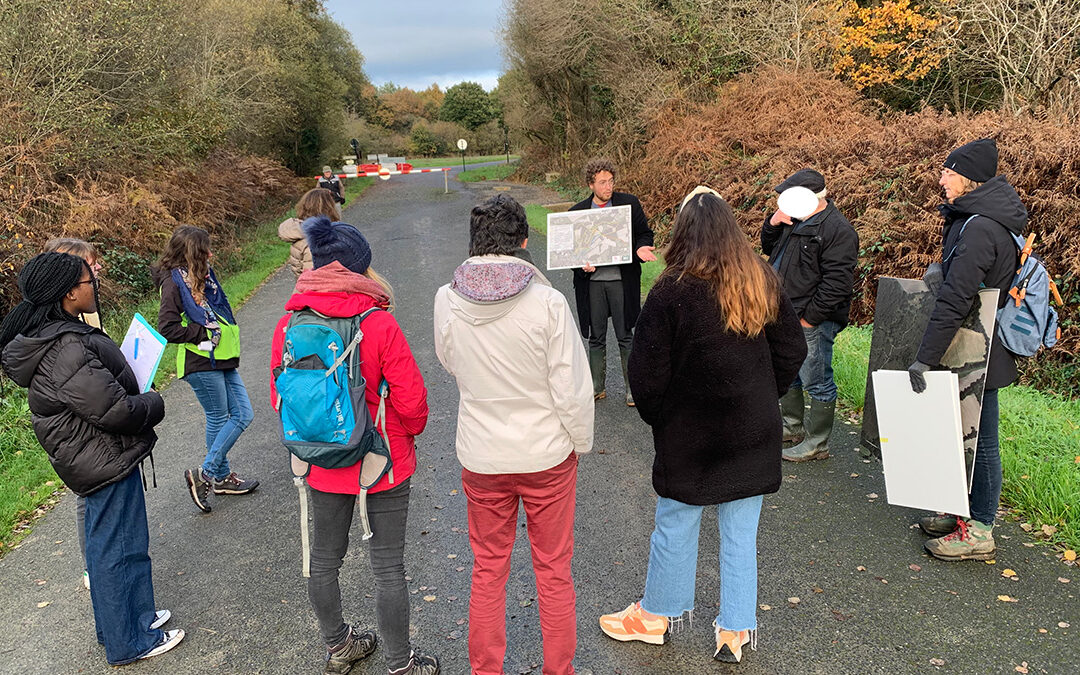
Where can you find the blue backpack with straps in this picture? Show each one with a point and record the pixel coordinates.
(1027, 322)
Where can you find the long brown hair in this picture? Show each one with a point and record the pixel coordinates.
(706, 243)
(318, 202)
(189, 248)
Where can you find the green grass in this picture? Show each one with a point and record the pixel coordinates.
(431, 162)
(1040, 442)
(496, 172)
(537, 216)
(27, 480)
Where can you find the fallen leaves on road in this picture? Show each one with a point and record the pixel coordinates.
(1008, 573)
(854, 475)
(882, 580)
(1026, 527)
(1063, 624)
(43, 604)
(1048, 530)
(1069, 554)
(937, 662)
(765, 608)
(793, 601)
(872, 495)
(429, 598)
(1022, 668)
(451, 556)
(914, 568)
(1063, 580)
(861, 568)
(1007, 598)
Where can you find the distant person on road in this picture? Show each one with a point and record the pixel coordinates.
(343, 284)
(85, 250)
(97, 428)
(317, 202)
(611, 290)
(717, 342)
(815, 258)
(982, 212)
(525, 414)
(196, 315)
(332, 183)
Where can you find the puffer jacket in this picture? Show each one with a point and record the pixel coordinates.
(87, 411)
(978, 251)
(509, 339)
(299, 253)
(333, 290)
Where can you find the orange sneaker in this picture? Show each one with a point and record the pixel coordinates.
(634, 623)
(729, 644)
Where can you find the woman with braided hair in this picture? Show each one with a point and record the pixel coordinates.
(97, 428)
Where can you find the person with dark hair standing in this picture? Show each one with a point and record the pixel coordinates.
(196, 315)
(611, 290)
(525, 414)
(815, 258)
(982, 212)
(332, 183)
(97, 428)
(717, 342)
(343, 284)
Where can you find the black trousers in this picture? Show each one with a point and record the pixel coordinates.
(606, 300)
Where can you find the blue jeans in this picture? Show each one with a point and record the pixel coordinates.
(669, 584)
(118, 560)
(816, 375)
(228, 412)
(986, 477)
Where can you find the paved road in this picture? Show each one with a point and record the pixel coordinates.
(232, 578)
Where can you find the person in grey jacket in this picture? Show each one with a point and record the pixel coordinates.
(815, 258)
(96, 428)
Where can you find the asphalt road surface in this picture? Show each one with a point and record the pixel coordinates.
(869, 599)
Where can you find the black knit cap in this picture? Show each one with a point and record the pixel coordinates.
(44, 281)
(807, 178)
(976, 160)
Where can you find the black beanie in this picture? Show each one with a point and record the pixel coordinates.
(43, 280)
(975, 161)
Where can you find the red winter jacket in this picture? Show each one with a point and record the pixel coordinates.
(384, 353)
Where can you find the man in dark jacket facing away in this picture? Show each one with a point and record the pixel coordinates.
(613, 290)
(815, 258)
(980, 212)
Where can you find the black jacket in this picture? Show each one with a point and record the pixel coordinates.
(818, 264)
(983, 255)
(333, 184)
(710, 395)
(631, 271)
(172, 328)
(87, 411)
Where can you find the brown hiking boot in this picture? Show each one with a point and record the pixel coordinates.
(938, 525)
(971, 540)
(357, 646)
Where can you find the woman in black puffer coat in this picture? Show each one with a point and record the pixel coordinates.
(96, 427)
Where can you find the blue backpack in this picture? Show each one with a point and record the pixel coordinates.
(1028, 322)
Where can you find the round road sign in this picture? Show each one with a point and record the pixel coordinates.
(462, 144)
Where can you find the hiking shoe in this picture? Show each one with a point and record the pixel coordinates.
(160, 618)
(419, 664)
(86, 579)
(234, 485)
(938, 525)
(971, 540)
(634, 623)
(170, 639)
(729, 644)
(629, 399)
(599, 395)
(199, 487)
(357, 646)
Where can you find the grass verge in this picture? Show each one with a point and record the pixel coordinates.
(28, 483)
(430, 162)
(495, 172)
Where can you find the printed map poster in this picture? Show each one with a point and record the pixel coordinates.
(595, 236)
(143, 347)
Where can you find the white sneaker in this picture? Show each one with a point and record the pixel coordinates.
(162, 615)
(86, 579)
(172, 638)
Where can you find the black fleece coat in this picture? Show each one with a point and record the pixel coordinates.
(710, 395)
(631, 271)
(818, 264)
(87, 411)
(980, 253)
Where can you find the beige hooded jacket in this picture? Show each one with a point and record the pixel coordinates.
(510, 340)
(299, 254)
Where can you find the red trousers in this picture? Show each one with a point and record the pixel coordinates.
(548, 497)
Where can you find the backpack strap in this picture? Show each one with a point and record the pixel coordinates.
(957, 244)
(301, 486)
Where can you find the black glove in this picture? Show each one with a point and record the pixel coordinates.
(934, 277)
(915, 373)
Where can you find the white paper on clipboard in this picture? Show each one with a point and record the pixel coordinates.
(143, 347)
(922, 447)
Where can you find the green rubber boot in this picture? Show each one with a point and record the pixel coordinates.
(791, 409)
(818, 429)
(598, 367)
(624, 356)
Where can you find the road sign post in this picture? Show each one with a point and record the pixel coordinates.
(461, 145)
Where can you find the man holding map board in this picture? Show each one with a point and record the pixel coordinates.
(608, 287)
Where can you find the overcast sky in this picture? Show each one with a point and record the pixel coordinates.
(413, 43)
